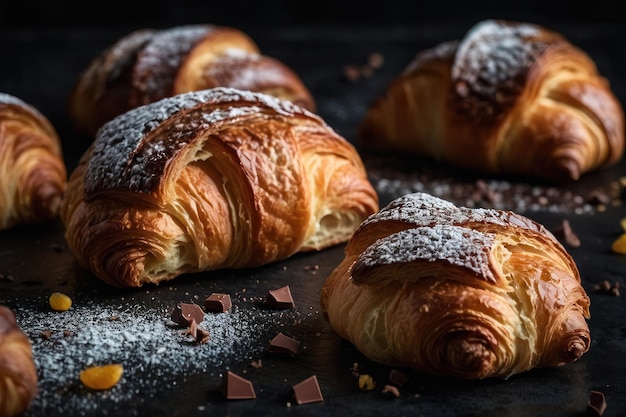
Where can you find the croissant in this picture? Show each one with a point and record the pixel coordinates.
(32, 169)
(457, 292)
(147, 65)
(509, 98)
(219, 178)
(18, 374)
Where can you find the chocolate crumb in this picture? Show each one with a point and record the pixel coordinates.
(351, 72)
(391, 391)
(7, 278)
(597, 402)
(598, 197)
(284, 344)
(67, 333)
(185, 312)
(280, 298)
(46, 334)
(566, 233)
(308, 391)
(605, 287)
(57, 248)
(375, 60)
(235, 387)
(258, 364)
(218, 302)
(202, 336)
(397, 378)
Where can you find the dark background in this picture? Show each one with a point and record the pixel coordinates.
(45, 45)
(160, 13)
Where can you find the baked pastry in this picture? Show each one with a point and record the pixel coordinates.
(32, 169)
(457, 292)
(510, 98)
(18, 373)
(147, 65)
(218, 178)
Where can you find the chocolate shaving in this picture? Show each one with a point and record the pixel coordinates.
(185, 312)
(198, 334)
(308, 391)
(218, 302)
(280, 298)
(235, 387)
(397, 378)
(284, 344)
(566, 233)
(203, 336)
(597, 402)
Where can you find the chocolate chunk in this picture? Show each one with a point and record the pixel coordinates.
(284, 344)
(235, 387)
(184, 312)
(597, 402)
(308, 391)
(397, 378)
(218, 302)
(280, 298)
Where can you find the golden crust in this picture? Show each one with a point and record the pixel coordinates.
(508, 98)
(219, 178)
(458, 292)
(148, 65)
(18, 374)
(33, 176)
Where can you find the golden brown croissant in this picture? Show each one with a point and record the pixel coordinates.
(219, 178)
(509, 98)
(148, 64)
(457, 292)
(18, 374)
(33, 176)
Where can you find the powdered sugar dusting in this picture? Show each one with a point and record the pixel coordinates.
(493, 52)
(159, 60)
(454, 245)
(122, 54)
(423, 209)
(153, 350)
(123, 151)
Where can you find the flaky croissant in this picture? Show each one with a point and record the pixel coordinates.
(219, 178)
(33, 175)
(149, 64)
(457, 292)
(508, 99)
(18, 373)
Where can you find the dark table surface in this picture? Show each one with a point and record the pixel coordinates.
(165, 375)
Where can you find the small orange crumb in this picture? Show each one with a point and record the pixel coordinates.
(101, 377)
(619, 245)
(60, 302)
(366, 382)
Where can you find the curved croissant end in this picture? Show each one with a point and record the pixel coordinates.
(508, 98)
(18, 374)
(217, 178)
(33, 173)
(458, 292)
